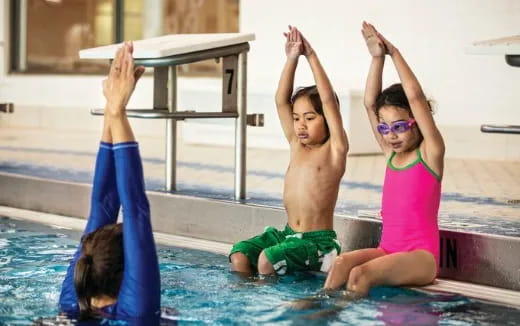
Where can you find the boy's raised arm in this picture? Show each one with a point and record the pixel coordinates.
(293, 49)
(338, 136)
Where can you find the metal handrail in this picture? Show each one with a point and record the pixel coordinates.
(500, 129)
(234, 104)
(513, 60)
(165, 114)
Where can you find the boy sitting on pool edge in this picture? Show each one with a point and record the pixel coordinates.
(312, 124)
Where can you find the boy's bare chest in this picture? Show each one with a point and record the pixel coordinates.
(310, 166)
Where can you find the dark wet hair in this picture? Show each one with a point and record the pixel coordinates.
(312, 93)
(394, 95)
(99, 270)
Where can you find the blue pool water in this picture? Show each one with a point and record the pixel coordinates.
(33, 260)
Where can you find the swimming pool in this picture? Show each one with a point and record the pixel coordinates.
(34, 258)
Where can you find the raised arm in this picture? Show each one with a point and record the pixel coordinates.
(434, 144)
(293, 50)
(118, 88)
(104, 208)
(338, 136)
(104, 203)
(139, 295)
(373, 86)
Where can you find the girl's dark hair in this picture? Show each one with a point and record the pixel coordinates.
(394, 95)
(99, 270)
(312, 93)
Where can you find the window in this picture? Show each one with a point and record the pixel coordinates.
(57, 29)
(48, 34)
(200, 16)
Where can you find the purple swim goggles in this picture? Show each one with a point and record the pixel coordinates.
(396, 127)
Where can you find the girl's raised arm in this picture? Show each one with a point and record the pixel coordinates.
(434, 144)
(376, 48)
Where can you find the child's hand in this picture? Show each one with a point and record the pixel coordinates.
(293, 44)
(122, 78)
(390, 48)
(375, 45)
(307, 48)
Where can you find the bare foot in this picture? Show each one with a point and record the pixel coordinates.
(351, 295)
(305, 304)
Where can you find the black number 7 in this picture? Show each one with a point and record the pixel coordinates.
(230, 83)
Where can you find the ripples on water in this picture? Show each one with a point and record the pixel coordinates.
(33, 261)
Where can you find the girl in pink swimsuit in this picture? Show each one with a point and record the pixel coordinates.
(402, 122)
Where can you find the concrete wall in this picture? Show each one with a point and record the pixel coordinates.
(468, 89)
(471, 257)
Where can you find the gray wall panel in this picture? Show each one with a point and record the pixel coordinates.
(478, 258)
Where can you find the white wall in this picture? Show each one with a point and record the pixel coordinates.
(432, 35)
(468, 89)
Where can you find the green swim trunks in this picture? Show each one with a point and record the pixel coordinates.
(289, 251)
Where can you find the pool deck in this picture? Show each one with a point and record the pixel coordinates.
(480, 196)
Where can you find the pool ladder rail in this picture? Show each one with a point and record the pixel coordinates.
(500, 129)
(164, 54)
(254, 119)
(514, 61)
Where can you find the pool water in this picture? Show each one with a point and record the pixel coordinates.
(34, 258)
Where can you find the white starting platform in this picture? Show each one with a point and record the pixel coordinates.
(505, 45)
(510, 48)
(164, 54)
(170, 45)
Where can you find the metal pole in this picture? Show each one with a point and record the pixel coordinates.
(119, 21)
(171, 131)
(160, 88)
(22, 36)
(240, 129)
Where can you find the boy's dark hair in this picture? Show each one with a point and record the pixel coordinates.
(394, 95)
(99, 270)
(312, 93)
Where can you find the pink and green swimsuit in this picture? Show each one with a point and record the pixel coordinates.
(411, 198)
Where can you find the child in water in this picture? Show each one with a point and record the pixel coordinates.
(402, 122)
(312, 124)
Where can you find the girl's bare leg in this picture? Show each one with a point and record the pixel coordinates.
(344, 263)
(416, 267)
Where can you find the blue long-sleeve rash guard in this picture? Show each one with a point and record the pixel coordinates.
(118, 179)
